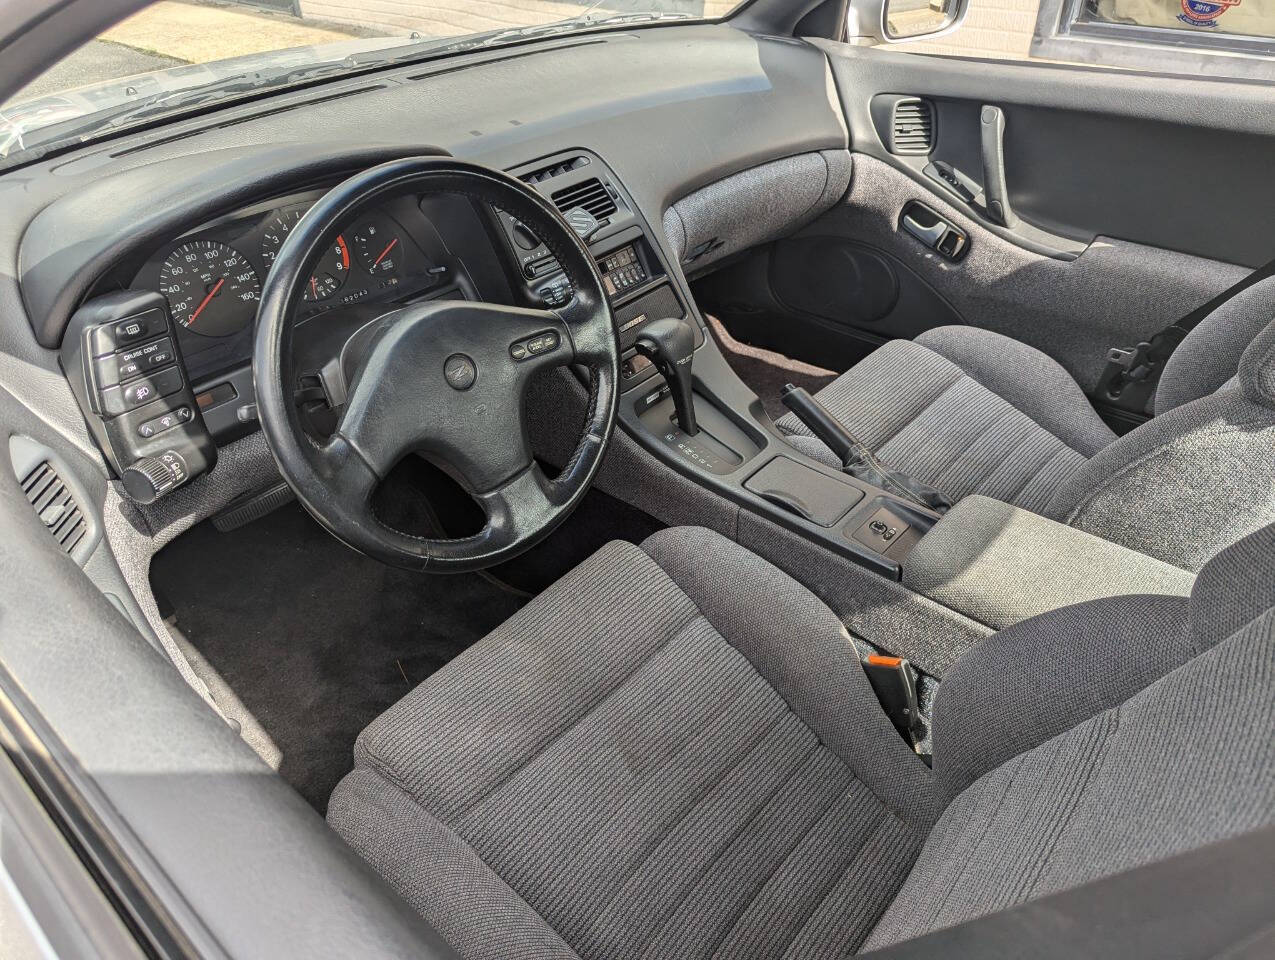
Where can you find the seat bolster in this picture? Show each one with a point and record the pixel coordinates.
(1182, 486)
(1028, 379)
(438, 873)
(1257, 368)
(1032, 681)
(802, 650)
(1207, 359)
(1234, 588)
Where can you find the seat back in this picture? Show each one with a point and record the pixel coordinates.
(1209, 357)
(1184, 760)
(1195, 478)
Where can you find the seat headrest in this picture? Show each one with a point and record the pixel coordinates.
(1257, 368)
(1206, 361)
(1234, 588)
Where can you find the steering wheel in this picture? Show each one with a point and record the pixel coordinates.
(445, 379)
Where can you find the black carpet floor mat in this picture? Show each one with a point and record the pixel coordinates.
(315, 639)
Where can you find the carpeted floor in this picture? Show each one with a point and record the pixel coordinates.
(765, 371)
(313, 638)
(304, 641)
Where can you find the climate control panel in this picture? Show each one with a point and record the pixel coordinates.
(122, 359)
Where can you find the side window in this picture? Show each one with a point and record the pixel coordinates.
(1227, 38)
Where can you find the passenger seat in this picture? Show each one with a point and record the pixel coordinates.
(970, 411)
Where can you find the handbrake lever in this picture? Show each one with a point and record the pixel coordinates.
(856, 459)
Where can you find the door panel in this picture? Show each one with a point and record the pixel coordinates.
(1138, 199)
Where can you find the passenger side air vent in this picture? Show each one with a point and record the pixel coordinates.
(590, 194)
(55, 506)
(912, 127)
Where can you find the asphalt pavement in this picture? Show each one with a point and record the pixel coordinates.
(94, 62)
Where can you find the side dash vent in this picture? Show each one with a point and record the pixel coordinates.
(912, 127)
(590, 194)
(55, 506)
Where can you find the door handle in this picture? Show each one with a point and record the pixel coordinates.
(992, 147)
(933, 230)
(930, 236)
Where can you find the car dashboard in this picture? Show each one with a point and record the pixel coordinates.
(160, 351)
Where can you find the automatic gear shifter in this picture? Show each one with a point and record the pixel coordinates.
(670, 344)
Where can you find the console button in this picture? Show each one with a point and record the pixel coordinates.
(109, 337)
(131, 363)
(166, 422)
(117, 400)
(535, 346)
(881, 531)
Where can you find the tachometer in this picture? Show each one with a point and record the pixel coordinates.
(211, 288)
(331, 270)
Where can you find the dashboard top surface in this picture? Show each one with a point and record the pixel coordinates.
(723, 99)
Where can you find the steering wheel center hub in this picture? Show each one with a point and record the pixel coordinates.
(460, 371)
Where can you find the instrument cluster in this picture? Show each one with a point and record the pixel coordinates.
(212, 276)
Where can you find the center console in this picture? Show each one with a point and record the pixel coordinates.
(730, 447)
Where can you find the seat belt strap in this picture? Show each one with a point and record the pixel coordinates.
(1133, 373)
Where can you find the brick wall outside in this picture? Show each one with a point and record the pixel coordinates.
(1000, 29)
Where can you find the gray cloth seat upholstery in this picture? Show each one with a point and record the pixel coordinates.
(674, 752)
(973, 412)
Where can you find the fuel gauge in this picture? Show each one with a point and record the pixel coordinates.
(378, 247)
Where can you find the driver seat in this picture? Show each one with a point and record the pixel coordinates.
(674, 752)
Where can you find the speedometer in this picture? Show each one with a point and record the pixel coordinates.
(211, 288)
(331, 270)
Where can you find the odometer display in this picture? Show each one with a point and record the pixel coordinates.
(211, 288)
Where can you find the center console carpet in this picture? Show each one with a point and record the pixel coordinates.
(765, 371)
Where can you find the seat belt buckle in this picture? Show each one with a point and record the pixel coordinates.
(893, 680)
(1134, 364)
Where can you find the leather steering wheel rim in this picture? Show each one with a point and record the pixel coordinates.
(443, 378)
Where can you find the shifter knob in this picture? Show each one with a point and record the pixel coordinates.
(670, 344)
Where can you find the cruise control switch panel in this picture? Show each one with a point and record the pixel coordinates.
(121, 356)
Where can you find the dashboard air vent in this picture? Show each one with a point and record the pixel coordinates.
(55, 506)
(912, 128)
(554, 170)
(590, 194)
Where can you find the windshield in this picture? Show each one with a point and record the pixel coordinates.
(179, 55)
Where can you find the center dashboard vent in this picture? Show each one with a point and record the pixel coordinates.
(912, 127)
(55, 506)
(554, 170)
(591, 194)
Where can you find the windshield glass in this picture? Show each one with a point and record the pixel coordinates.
(179, 55)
